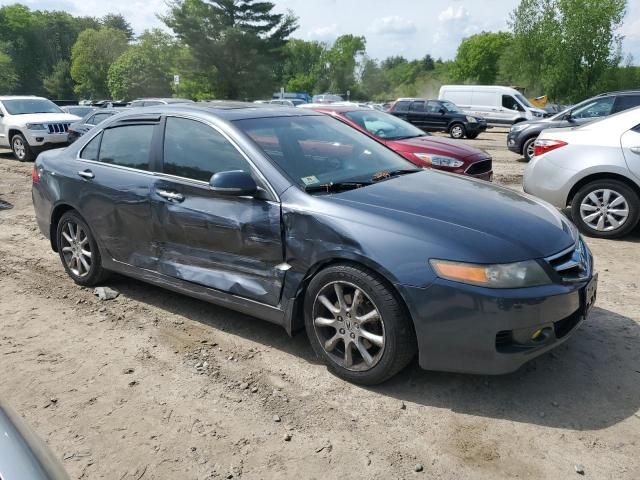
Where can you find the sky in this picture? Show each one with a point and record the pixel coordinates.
(411, 28)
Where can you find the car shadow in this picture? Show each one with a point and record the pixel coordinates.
(590, 382)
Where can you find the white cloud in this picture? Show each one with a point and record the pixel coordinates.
(393, 25)
(453, 14)
(324, 34)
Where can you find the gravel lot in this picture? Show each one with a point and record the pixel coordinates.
(154, 385)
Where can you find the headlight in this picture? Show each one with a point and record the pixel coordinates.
(510, 275)
(36, 126)
(517, 127)
(472, 120)
(439, 160)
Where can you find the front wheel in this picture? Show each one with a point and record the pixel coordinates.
(357, 325)
(78, 250)
(457, 131)
(21, 148)
(606, 209)
(472, 136)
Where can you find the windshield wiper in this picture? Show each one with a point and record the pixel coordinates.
(335, 187)
(394, 173)
(405, 137)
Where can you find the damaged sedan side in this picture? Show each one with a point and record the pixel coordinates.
(292, 217)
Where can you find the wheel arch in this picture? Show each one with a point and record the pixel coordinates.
(56, 214)
(295, 320)
(602, 176)
(13, 132)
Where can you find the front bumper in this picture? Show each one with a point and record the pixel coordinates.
(42, 139)
(462, 328)
(514, 142)
(475, 128)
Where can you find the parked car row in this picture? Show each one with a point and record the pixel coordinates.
(310, 220)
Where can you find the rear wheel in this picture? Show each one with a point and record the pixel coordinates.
(457, 131)
(357, 326)
(21, 148)
(78, 250)
(528, 148)
(472, 136)
(606, 209)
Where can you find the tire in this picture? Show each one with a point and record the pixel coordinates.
(388, 338)
(21, 149)
(457, 131)
(68, 249)
(621, 198)
(527, 149)
(472, 136)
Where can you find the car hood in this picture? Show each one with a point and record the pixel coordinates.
(47, 117)
(440, 146)
(479, 221)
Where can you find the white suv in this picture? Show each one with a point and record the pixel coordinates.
(30, 124)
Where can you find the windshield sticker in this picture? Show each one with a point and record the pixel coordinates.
(309, 180)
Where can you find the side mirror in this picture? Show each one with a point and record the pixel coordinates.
(442, 111)
(236, 183)
(1, 114)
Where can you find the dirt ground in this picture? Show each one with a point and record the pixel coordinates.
(155, 385)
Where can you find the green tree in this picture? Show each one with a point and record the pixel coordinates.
(238, 41)
(91, 57)
(303, 67)
(58, 84)
(8, 77)
(117, 22)
(373, 81)
(145, 68)
(478, 57)
(342, 59)
(566, 49)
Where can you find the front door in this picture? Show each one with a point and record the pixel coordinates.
(630, 142)
(231, 244)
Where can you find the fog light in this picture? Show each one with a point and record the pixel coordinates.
(541, 334)
(39, 139)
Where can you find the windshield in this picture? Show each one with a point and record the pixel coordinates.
(315, 150)
(523, 100)
(451, 107)
(30, 105)
(383, 125)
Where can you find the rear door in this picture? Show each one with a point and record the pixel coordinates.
(231, 244)
(112, 178)
(417, 114)
(401, 109)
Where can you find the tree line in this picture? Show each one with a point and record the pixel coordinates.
(242, 49)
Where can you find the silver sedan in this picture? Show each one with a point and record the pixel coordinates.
(594, 169)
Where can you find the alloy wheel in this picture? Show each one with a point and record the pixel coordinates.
(76, 249)
(604, 210)
(531, 148)
(457, 131)
(19, 148)
(349, 326)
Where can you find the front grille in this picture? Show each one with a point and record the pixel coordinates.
(573, 264)
(58, 127)
(479, 168)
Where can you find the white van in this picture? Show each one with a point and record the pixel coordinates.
(498, 105)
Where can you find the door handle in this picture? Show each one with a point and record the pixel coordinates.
(88, 174)
(635, 150)
(171, 196)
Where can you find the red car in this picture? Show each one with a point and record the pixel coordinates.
(418, 147)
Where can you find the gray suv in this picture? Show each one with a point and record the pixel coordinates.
(523, 135)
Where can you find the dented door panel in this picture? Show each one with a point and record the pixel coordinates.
(231, 244)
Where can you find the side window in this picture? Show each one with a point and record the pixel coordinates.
(402, 106)
(127, 146)
(90, 151)
(625, 102)
(99, 117)
(511, 103)
(433, 107)
(152, 103)
(595, 109)
(636, 128)
(91, 120)
(417, 107)
(197, 151)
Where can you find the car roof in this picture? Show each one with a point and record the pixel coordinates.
(164, 99)
(21, 97)
(412, 99)
(328, 108)
(229, 110)
(619, 92)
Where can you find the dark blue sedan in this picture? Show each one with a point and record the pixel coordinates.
(296, 218)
